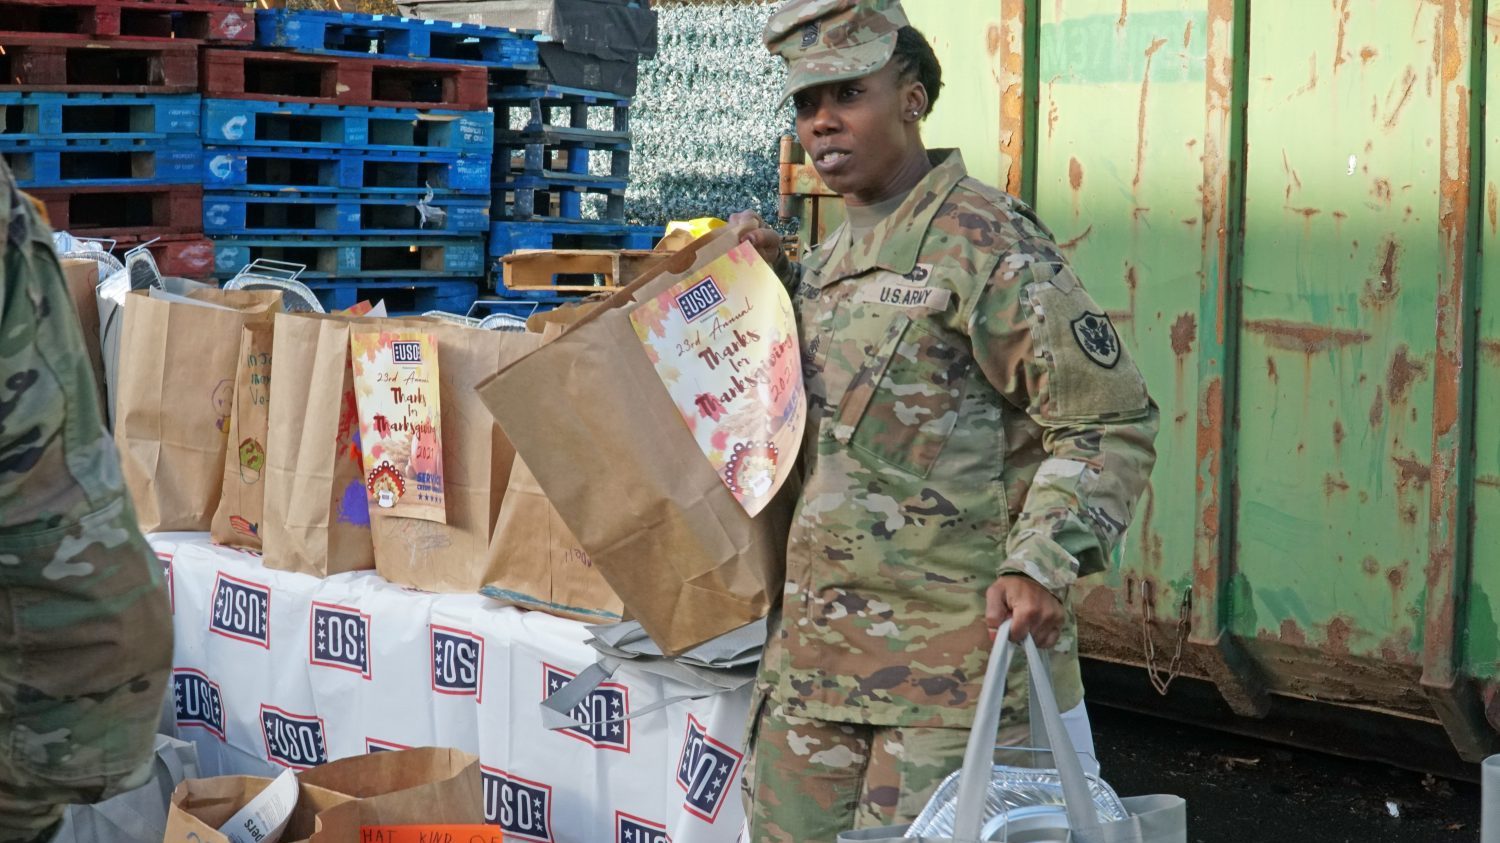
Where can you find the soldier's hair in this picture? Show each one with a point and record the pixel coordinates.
(917, 61)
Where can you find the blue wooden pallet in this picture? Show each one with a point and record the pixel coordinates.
(47, 118)
(560, 159)
(99, 163)
(363, 257)
(507, 237)
(402, 297)
(329, 126)
(365, 214)
(327, 171)
(530, 109)
(353, 34)
(530, 199)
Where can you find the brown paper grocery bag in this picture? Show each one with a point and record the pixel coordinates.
(538, 564)
(172, 403)
(316, 518)
(595, 424)
(477, 457)
(394, 788)
(200, 807)
(237, 521)
(83, 281)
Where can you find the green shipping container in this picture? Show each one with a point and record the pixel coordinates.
(1284, 206)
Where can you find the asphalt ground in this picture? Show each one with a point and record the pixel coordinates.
(1243, 790)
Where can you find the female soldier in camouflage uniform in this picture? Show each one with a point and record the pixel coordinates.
(977, 439)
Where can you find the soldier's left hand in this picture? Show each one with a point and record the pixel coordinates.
(1032, 610)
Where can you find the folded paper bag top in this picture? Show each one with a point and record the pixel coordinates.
(628, 477)
(201, 806)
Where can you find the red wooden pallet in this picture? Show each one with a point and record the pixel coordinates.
(182, 256)
(124, 212)
(240, 74)
(33, 63)
(135, 20)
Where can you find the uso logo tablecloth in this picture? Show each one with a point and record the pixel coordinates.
(297, 671)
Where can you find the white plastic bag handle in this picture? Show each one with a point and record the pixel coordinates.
(979, 756)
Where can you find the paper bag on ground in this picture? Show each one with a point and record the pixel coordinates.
(316, 521)
(200, 807)
(477, 459)
(394, 788)
(538, 564)
(237, 522)
(173, 399)
(628, 477)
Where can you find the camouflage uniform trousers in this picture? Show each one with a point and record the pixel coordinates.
(808, 780)
(85, 626)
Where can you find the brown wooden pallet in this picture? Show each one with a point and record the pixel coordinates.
(35, 63)
(127, 19)
(294, 77)
(128, 212)
(182, 256)
(546, 270)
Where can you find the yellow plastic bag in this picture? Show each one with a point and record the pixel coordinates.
(682, 232)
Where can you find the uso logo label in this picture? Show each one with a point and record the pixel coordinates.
(374, 745)
(609, 702)
(406, 352)
(457, 662)
(241, 610)
(630, 829)
(293, 740)
(198, 701)
(522, 808)
(339, 637)
(706, 771)
(699, 299)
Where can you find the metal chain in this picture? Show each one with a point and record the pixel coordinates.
(1162, 680)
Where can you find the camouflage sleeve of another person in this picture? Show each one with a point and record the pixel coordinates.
(1050, 350)
(85, 627)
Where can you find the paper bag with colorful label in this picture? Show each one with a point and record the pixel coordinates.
(724, 341)
(400, 421)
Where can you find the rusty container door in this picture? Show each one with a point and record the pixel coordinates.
(1273, 200)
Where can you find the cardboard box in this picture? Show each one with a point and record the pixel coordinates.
(606, 29)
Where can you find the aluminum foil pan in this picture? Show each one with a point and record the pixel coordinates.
(1029, 801)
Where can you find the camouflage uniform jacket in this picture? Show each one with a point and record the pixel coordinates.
(972, 413)
(85, 626)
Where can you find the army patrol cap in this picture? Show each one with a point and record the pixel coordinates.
(826, 41)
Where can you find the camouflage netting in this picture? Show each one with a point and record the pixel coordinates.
(706, 121)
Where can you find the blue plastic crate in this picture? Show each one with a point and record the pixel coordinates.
(52, 117)
(507, 237)
(366, 214)
(327, 171)
(354, 34)
(402, 297)
(327, 126)
(100, 163)
(363, 257)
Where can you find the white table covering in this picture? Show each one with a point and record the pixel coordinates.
(298, 670)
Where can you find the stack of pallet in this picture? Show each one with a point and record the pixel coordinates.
(359, 146)
(101, 114)
(562, 164)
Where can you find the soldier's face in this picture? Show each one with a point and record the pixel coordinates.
(858, 134)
